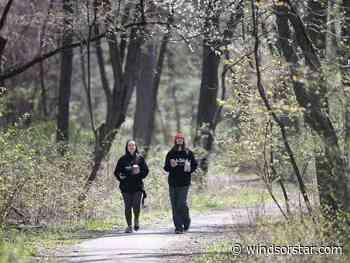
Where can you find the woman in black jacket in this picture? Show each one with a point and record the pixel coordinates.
(180, 163)
(131, 169)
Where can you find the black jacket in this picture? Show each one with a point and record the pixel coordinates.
(130, 183)
(177, 175)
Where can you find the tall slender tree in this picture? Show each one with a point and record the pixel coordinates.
(145, 95)
(208, 110)
(173, 87)
(146, 104)
(3, 40)
(207, 105)
(316, 26)
(125, 72)
(66, 75)
(333, 187)
(345, 72)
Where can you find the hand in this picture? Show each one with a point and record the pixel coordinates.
(135, 169)
(173, 163)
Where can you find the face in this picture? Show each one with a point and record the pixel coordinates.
(180, 141)
(131, 147)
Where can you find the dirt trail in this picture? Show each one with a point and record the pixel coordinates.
(149, 245)
(158, 243)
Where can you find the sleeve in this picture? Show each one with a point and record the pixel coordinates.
(143, 168)
(120, 171)
(194, 163)
(167, 163)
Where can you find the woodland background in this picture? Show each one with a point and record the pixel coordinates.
(257, 86)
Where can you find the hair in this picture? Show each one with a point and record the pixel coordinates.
(178, 147)
(136, 153)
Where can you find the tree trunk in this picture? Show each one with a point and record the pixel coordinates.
(2, 47)
(345, 71)
(121, 95)
(173, 87)
(207, 105)
(4, 14)
(158, 72)
(66, 77)
(163, 126)
(145, 96)
(208, 113)
(263, 95)
(332, 185)
(150, 109)
(2, 39)
(316, 30)
(43, 94)
(103, 73)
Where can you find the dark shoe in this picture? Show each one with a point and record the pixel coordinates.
(179, 231)
(128, 229)
(187, 226)
(136, 227)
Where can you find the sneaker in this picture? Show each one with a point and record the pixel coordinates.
(136, 227)
(187, 226)
(179, 231)
(128, 229)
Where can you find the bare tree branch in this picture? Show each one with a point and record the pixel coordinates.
(17, 70)
(5, 13)
(262, 93)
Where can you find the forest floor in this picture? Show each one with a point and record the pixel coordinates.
(158, 243)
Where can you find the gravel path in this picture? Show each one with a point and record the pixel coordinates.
(148, 245)
(158, 243)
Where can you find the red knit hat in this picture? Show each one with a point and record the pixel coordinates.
(179, 135)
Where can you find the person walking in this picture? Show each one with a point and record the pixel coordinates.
(180, 163)
(130, 171)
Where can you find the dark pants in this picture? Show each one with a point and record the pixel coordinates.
(132, 201)
(178, 199)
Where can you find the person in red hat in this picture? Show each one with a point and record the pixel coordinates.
(180, 163)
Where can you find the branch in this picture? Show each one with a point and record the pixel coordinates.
(5, 13)
(261, 90)
(15, 71)
(303, 39)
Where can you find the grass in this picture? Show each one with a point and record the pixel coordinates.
(107, 215)
(229, 198)
(22, 244)
(217, 252)
(146, 218)
(102, 225)
(13, 252)
(33, 242)
(18, 246)
(269, 233)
